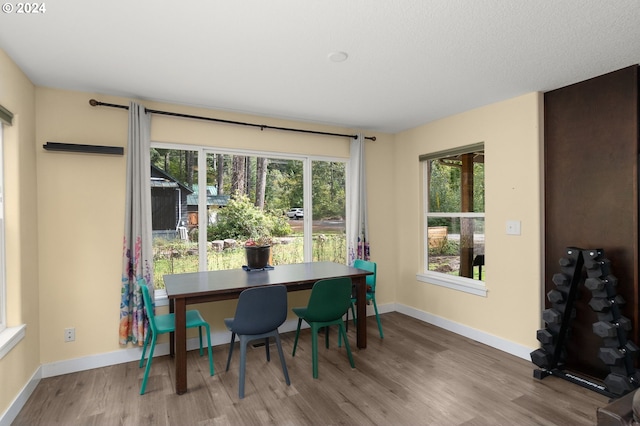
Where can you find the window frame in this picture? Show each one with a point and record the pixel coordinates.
(307, 160)
(464, 284)
(9, 336)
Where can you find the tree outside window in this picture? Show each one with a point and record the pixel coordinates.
(454, 216)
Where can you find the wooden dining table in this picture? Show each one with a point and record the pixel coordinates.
(210, 286)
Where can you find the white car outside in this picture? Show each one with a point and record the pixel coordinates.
(295, 213)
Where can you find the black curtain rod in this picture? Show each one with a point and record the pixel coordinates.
(93, 102)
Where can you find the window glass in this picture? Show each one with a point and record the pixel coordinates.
(455, 213)
(329, 211)
(207, 203)
(173, 176)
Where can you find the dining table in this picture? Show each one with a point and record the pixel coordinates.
(209, 286)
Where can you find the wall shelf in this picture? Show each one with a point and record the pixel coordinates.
(89, 149)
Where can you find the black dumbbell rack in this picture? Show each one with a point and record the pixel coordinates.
(618, 352)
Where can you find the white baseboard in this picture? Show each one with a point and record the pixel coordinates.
(479, 336)
(21, 399)
(223, 338)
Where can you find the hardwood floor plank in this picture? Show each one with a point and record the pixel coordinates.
(418, 374)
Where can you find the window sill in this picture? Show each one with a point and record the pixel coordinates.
(10, 337)
(465, 285)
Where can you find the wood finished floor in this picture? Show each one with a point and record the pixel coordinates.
(418, 375)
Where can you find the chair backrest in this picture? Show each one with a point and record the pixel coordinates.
(260, 310)
(330, 299)
(368, 266)
(148, 306)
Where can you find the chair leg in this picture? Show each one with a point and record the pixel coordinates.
(233, 339)
(209, 351)
(266, 345)
(314, 350)
(282, 361)
(353, 313)
(243, 362)
(144, 348)
(346, 345)
(326, 337)
(200, 336)
(146, 370)
(295, 342)
(375, 308)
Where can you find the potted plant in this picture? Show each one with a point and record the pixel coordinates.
(258, 252)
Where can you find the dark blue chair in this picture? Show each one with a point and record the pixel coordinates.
(259, 313)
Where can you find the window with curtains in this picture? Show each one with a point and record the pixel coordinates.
(454, 242)
(191, 185)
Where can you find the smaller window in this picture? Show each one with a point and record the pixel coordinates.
(454, 214)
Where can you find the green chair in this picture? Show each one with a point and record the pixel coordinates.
(329, 301)
(371, 290)
(161, 324)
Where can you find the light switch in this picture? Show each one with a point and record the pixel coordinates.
(513, 227)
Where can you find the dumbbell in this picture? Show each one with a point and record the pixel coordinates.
(545, 337)
(612, 356)
(551, 316)
(610, 329)
(555, 296)
(560, 279)
(565, 262)
(616, 356)
(599, 283)
(541, 358)
(600, 304)
(631, 348)
(618, 384)
(594, 284)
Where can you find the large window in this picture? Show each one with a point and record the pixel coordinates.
(454, 217)
(193, 187)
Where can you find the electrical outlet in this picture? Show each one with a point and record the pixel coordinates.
(69, 334)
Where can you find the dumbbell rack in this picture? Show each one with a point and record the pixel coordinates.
(618, 352)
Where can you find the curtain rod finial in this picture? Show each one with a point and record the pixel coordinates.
(93, 102)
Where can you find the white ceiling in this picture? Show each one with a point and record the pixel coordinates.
(410, 61)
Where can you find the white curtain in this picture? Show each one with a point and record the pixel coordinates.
(357, 227)
(137, 256)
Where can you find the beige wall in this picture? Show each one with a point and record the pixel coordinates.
(18, 95)
(511, 132)
(64, 246)
(81, 198)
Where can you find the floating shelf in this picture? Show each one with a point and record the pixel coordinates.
(90, 149)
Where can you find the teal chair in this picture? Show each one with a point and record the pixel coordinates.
(161, 324)
(329, 301)
(371, 290)
(259, 313)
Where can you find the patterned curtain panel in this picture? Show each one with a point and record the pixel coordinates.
(358, 229)
(137, 256)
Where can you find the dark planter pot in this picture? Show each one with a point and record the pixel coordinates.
(257, 256)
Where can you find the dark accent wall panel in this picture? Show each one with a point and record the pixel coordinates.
(591, 194)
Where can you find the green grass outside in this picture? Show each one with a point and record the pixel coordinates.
(173, 257)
